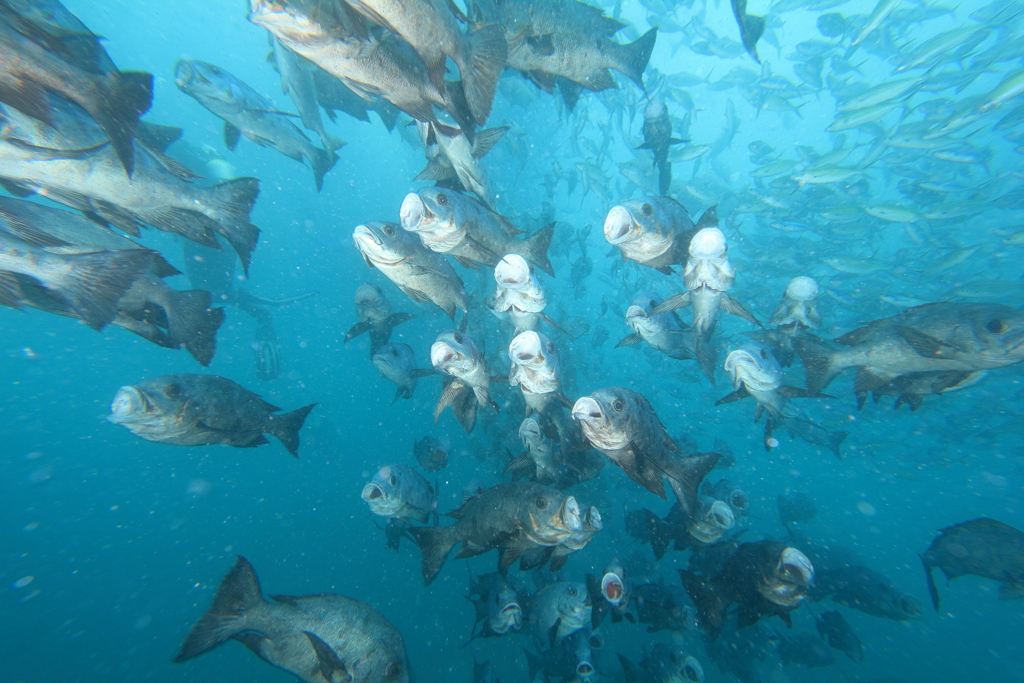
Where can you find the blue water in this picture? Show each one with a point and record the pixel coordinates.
(124, 540)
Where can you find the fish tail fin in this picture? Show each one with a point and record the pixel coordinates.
(238, 594)
(537, 248)
(286, 427)
(96, 282)
(664, 177)
(458, 107)
(236, 198)
(751, 30)
(435, 543)
(119, 111)
(817, 358)
(834, 440)
(322, 161)
(707, 355)
(331, 143)
(633, 58)
(933, 590)
(487, 53)
(192, 323)
(685, 475)
(711, 609)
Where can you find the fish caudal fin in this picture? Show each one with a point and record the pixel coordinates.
(238, 594)
(286, 427)
(707, 355)
(632, 59)
(458, 107)
(322, 161)
(95, 283)
(537, 248)
(485, 58)
(193, 324)
(236, 198)
(435, 543)
(119, 111)
(818, 360)
(664, 177)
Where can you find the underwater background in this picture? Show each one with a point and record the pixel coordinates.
(111, 547)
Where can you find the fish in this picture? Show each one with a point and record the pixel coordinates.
(369, 62)
(540, 456)
(450, 222)
(654, 231)
(497, 604)
(657, 132)
(704, 526)
(34, 63)
(804, 648)
(981, 547)
(452, 158)
(839, 634)
(247, 113)
(663, 664)
(431, 453)
(314, 637)
(797, 313)
(756, 373)
(622, 424)
(373, 314)
(945, 337)
(730, 494)
(558, 610)
(610, 594)
(765, 578)
(396, 362)
(913, 387)
(298, 82)
(536, 370)
(468, 383)
(568, 46)
(795, 506)
(422, 275)
(576, 541)
(866, 590)
(751, 27)
(707, 275)
(519, 294)
(431, 28)
(569, 659)
(663, 607)
(400, 492)
(512, 517)
(199, 410)
(665, 332)
(483, 672)
(90, 284)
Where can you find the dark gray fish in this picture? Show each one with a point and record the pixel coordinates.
(247, 113)
(569, 659)
(317, 638)
(866, 590)
(981, 547)
(299, 83)
(803, 648)
(751, 27)
(498, 608)
(483, 672)
(663, 608)
(654, 231)
(665, 332)
(657, 131)
(839, 634)
(431, 453)
(34, 59)
(396, 362)
(198, 410)
(373, 314)
(663, 664)
(795, 506)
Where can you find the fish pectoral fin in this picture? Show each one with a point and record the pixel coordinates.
(486, 139)
(415, 294)
(420, 373)
(737, 395)
(730, 305)
(553, 631)
(356, 330)
(630, 340)
(871, 379)
(637, 468)
(664, 270)
(331, 667)
(436, 170)
(508, 557)
(451, 392)
(926, 345)
(231, 135)
(467, 263)
(672, 303)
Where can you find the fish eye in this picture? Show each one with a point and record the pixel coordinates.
(764, 355)
(393, 671)
(172, 390)
(459, 338)
(389, 231)
(442, 200)
(542, 503)
(572, 591)
(393, 480)
(647, 209)
(995, 326)
(618, 405)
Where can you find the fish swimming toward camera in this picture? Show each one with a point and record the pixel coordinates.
(468, 383)
(314, 637)
(664, 332)
(498, 607)
(201, 410)
(400, 492)
(247, 113)
(981, 547)
(431, 453)
(657, 131)
(655, 231)
(396, 362)
(373, 314)
(663, 664)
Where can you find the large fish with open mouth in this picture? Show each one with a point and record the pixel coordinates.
(654, 231)
(764, 578)
(420, 273)
(400, 492)
(511, 517)
(449, 222)
(468, 383)
(537, 371)
(949, 337)
(498, 608)
(621, 423)
(518, 294)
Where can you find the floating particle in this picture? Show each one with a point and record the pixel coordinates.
(866, 508)
(22, 582)
(773, 442)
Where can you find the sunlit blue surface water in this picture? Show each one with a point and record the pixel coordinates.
(127, 539)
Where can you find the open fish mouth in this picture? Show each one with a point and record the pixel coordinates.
(709, 243)
(585, 671)
(746, 370)
(128, 403)
(720, 515)
(373, 493)
(443, 355)
(795, 568)
(510, 618)
(618, 225)
(588, 409)
(612, 588)
(512, 272)
(525, 348)
(802, 288)
(369, 243)
(692, 671)
(414, 212)
(569, 514)
(738, 500)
